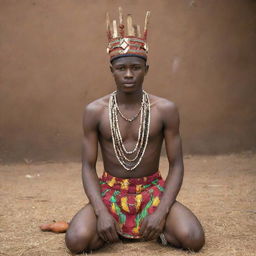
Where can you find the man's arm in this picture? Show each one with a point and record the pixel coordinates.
(154, 224)
(106, 225)
(173, 146)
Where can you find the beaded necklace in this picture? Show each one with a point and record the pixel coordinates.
(122, 154)
(126, 118)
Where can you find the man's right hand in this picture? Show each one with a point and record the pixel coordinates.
(107, 228)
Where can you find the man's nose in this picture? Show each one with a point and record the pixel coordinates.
(128, 73)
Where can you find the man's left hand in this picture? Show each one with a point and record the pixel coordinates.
(152, 226)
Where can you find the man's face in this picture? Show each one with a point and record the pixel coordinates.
(129, 73)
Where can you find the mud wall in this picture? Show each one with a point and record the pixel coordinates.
(53, 61)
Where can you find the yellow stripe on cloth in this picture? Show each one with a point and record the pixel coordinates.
(124, 204)
(113, 208)
(138, 199)
(111, 182)
(135, 230)
(125, 184)
(156, 201)
(138, 188)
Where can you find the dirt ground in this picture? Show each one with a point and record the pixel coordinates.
(220, 190)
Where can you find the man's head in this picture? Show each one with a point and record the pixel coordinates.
(129, 72)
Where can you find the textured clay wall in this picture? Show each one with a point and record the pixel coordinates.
(53, 61)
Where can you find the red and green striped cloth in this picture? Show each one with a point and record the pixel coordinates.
(130, 200)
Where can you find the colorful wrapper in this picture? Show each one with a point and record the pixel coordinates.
(130, 200)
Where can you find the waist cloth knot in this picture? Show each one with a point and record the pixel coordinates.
(130, 200)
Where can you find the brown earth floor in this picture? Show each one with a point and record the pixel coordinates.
(220, 190)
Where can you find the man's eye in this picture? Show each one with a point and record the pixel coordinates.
(120, 68)
(136, 68)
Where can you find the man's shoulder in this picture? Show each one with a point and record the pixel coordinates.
(162, 104)
(97, 105)
(93, 112)
(167, 110)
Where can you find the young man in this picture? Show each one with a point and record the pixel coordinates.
(131, 199)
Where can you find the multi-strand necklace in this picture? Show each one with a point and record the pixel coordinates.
(129, 159)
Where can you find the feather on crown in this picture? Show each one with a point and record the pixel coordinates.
(131, 44)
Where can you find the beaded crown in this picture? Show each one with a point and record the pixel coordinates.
(131, 43)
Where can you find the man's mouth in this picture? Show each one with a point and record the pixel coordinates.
(128, 84)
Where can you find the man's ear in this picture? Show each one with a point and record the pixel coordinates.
(111, 69)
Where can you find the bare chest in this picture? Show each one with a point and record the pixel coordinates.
(130, 130)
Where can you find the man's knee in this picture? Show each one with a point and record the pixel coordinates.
(192, 239)
(77, 241)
